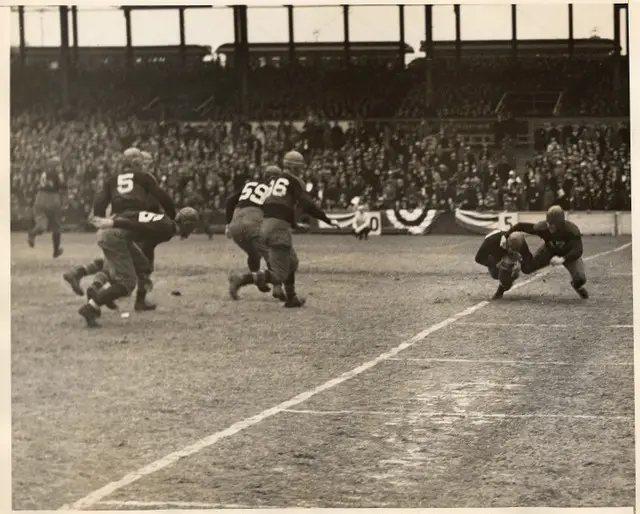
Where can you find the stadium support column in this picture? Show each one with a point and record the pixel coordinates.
(74, 31)
(347, 42)
(456, 13)
(428, 63)
(183, 48)
(127, 23)
(514, 34)
(616, 51)
(242, 56)
(401, 39)
(23, 44)
(292, 39)
(571, 38)
(64, 54)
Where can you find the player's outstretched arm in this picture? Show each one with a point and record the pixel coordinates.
(313, 210)
(527, 228)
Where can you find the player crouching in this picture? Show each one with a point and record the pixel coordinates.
(505, 256)
(562, 245)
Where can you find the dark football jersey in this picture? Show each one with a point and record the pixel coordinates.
(146, 226)
(50, 181)
(564, 242)
(285, 191)
(132, 190)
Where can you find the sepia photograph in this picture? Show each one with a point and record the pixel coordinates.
(320, 256)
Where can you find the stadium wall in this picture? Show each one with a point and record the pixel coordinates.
(421, 221)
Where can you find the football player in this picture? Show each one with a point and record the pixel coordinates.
(244, 217)
(47, 207)
(286, 191)
(131, 189)
(115, 238)
(505, 256)
(562, 245)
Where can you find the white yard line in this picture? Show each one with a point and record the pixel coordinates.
(540, 325)
(134, 504)
(170, 459)
(475, 415)
(515, 362)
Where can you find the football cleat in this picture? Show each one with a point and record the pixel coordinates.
(294, 302)
(584, 294)
(279, 294)
(90, 315)
(73, 280)
(144, 306)
(499, 293)
(92, 294)
(235, 283)
(57, 253)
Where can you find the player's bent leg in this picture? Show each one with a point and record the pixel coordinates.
(74, 276)
(527, 263)
(115, 246)
(578, 277)
(143, 255)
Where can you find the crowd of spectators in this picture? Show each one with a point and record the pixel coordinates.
(393, 164)
(381, 165)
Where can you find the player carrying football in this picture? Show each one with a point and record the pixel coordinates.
(285, 192)
(505, 256)
(562, 245)
(132, 189)
(47, 207)
(116, 236)
(244, 217)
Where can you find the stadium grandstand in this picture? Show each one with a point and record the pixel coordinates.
(488, 101)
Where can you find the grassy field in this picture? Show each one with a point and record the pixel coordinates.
(396, 386)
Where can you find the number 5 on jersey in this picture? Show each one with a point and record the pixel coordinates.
(125, 183)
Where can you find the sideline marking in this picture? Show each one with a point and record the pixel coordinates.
(170, 459)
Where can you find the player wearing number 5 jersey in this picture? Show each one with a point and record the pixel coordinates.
(243, 217)
(132, 189)
(286, 191)
(47, 207)
(116, 238)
